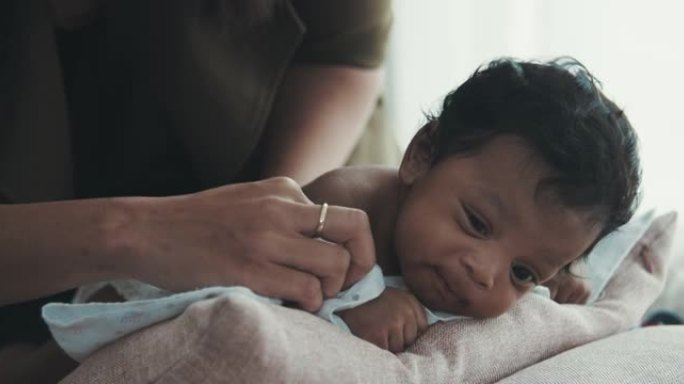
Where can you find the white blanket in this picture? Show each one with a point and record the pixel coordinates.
(82, 328)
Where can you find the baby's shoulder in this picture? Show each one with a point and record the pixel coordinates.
(353, 186)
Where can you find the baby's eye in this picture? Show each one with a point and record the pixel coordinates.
(477, 224)
(523, 275)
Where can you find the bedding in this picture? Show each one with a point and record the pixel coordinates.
(236, 339)
(82, 328)
(645, 355)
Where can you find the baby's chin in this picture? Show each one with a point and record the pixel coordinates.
(455, 305)
(436, 300)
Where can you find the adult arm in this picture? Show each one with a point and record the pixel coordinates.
(329, 92)
(318, 117)
(254, 234)
(50, 247)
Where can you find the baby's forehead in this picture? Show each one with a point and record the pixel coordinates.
(506, 162)
(511, 155)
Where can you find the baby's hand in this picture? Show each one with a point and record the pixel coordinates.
(567, 288)
(392, 321)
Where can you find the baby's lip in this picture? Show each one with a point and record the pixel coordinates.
(452, 294)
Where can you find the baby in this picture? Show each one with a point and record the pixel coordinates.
(525, 169)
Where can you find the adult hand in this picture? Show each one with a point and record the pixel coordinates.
(258, 235)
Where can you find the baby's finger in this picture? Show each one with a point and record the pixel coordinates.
(580, 296)
(420, 315)
(410, 332)
(553, 291)
(647, 259)
(395, 340)
(562, 295)
(584, 298)
(381, 340)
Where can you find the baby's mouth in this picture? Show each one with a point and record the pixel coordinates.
(452, 298)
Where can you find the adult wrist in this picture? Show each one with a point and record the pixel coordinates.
(119, 240)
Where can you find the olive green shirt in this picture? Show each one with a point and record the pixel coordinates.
(154, 97)
(157, 97)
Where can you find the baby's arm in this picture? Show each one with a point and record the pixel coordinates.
(392, 321)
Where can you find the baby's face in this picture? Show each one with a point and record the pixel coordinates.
(474, 234)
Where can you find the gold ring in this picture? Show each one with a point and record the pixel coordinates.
(321, 220)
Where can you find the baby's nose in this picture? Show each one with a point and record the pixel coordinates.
(480, 270)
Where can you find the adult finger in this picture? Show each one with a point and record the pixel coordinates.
(286, 187)
(327, 261)
(276, 187)
(348, 227)
(288, 284)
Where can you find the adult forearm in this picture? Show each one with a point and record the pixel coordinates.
(318, 116)
(49, 247)
(258, 235)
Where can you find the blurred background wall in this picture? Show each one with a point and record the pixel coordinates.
(636, 49)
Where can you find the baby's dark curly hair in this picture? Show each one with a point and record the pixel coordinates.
(556, 107)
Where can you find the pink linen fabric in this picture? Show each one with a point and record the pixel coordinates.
(645, 355)
(238, 340)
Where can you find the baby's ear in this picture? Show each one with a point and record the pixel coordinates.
(420, 154)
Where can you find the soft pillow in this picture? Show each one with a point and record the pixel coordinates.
(229, 340)
(644, 355)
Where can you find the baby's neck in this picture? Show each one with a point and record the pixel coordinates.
(383, 208)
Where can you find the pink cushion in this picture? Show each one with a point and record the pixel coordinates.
(644, 355)
(236, 340)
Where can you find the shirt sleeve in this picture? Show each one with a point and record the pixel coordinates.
(344, 32)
